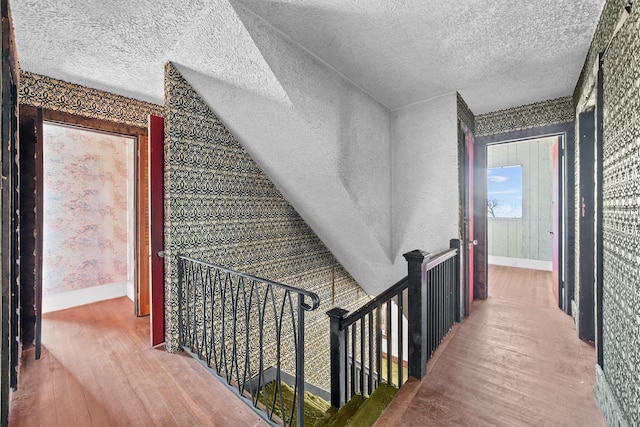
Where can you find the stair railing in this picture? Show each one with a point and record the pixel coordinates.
(247, 330)
(425, 304)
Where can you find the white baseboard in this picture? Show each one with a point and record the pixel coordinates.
(83, 296)
(130, 291)
(532, 264)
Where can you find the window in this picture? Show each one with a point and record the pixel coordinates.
(504, 192)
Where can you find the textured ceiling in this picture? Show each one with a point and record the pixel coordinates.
(496, 54)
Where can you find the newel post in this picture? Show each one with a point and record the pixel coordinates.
(418, 339)
(338, 355)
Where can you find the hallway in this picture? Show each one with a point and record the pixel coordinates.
(515, 361)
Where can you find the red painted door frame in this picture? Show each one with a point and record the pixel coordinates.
(156, 208)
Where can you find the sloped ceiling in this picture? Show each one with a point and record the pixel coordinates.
(313, 89)
(496, 54)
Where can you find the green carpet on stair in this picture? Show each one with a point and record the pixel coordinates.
(346, 412)
(371, 409)
(357, 412)
(316, 410)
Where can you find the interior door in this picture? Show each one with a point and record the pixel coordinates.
(471, 240)
(555, 224)
(586, 222)
(143, 284)
(156, 199)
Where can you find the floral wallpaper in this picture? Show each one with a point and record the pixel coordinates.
(88, 183)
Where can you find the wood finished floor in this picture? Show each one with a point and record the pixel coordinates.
(98, 369)
(515, 361)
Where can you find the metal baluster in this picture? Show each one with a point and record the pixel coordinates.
(389, 343)
(300, 361)
(370, 376)
(362, 359)
(234, 341)
(213, 353)
(348, 386)
(378, 346)
(400, 341)
(353, 359)
(180, 300)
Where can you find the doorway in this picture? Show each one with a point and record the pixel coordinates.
(522, 214)
(96, 191)
(562, 208)
(89, 216)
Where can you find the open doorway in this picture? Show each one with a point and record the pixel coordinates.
(520, 211)
(546, 243)
(89, 238)
(89, 216)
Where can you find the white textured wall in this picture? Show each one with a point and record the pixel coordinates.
(426, 195)
(324, 142)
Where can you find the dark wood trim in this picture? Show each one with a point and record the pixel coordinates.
(141, 288)
(9, 250)
(599, 216)
(92, 124)
(560, 286)
(567, 226)
(39, 226)
(464, 230)
(28, 231)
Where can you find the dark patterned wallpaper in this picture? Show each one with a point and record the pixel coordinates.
(220, 207)
(601, 37)
(553, 111)
(621, 211)
(465, 114)
(57, 95)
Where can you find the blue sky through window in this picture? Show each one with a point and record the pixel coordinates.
(504, 192)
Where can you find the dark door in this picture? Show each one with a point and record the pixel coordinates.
(586, 279)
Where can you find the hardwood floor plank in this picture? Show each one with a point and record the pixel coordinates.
(515, 361)
(98, 369)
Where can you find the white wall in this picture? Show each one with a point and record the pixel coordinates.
(426, 194)
(326, 144)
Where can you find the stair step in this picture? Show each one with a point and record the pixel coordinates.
(359, 411)
(370, 410)
(316, 410)
(347, 411)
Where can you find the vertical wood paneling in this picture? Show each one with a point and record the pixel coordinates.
(544, 197)
(525, 237)
(533, 212)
